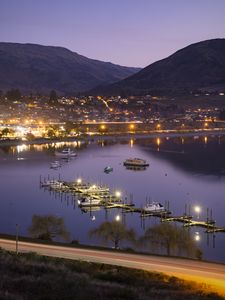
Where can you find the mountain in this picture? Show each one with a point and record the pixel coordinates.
(198, 66)
(36, 68)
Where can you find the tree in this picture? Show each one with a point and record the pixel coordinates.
(7, 131)
(53, 97)
(171, 238)
(115, 232)
(13, 94)
(48, 227)
(69, 126)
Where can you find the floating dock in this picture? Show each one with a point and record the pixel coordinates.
(111, 201)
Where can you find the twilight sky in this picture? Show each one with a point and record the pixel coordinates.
(126, 32)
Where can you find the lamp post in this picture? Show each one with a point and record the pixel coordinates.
(17, 237)
(197, 210)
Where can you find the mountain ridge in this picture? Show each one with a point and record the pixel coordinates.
(197, 66)
(38, 68)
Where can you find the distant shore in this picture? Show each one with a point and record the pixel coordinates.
(115, 136)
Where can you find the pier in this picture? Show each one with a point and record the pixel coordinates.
(100, 197)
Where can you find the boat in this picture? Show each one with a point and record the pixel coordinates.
(108, 169)
(89, 201)
(136, 168)
(55, 164)
(94, 190)
(52, 183)
(153, 207)
(135, 162)
(67, 152)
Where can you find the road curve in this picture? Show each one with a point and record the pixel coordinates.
(203, 272)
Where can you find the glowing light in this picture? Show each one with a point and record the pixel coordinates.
(79, 180)
(103, 127)
(197, 209)
(206, 124)
(205, 139)
(117, 194)
(93, 186)
(131, 143)
(132, 126)
(197, 237)
(158, 142)
(117, 218)
(21, 148)
(158, 126)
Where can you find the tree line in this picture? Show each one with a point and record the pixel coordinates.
(163, 238)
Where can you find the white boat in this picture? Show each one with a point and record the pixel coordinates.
(94, 189)
(52, 183)
(135, 162)
(153, 207)
(55, 164)
(88, 201)
(108, 169)
(67, 152)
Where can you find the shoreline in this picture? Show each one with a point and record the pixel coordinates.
(116, 136)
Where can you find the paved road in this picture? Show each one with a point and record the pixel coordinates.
(208, 273)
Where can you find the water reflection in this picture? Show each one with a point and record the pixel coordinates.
(199, 157)
(175, 174)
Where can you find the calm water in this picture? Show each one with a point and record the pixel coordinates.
(182, 171)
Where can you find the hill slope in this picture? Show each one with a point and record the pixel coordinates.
(200, 65)
(37, 68)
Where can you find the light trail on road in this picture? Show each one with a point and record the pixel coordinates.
(212, 274)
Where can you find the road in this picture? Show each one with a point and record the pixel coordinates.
(203, 272)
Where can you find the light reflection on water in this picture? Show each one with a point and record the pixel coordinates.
(182, 171)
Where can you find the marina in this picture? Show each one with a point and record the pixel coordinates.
(170, 180)
(99, 196)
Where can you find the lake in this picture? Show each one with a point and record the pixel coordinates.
(183, 171)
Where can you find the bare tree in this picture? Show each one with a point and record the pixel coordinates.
(48, 227)
(171, 238)
(115, 232)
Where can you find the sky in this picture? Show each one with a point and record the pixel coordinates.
(126, 32)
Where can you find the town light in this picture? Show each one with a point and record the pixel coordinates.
(132, 126)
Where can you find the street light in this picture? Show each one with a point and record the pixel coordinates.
(197, 209)
(79, 180)
(117, 194)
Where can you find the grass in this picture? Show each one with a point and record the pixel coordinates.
(31, 276)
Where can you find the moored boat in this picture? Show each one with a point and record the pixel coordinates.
(67, 152)
(135, 162)
(153, 207)
(89, 201)
(94, 189)
(108, 169)
(55, 164)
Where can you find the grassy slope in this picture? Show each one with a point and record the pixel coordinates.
(30, 276)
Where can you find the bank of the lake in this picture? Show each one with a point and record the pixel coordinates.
(26, 276)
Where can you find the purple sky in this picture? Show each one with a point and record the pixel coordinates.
(126, 32)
